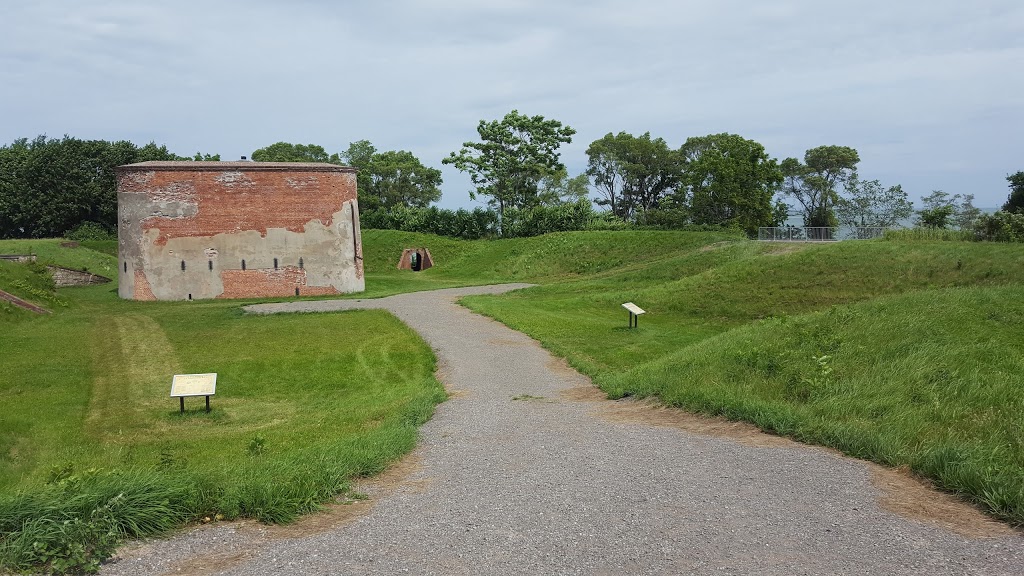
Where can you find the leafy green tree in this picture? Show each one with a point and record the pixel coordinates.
(653, 171)
(941, 210)
(867, 203)
(200, 157)
(1015, 202)
(937, 211)
(49, 186)
(392, 178)
(151, 152)
(360, 155)
(286, 152)
(813, 183)
(558, 188)
(966, 215)
(605, 168)
(730, 181)
(13, 161)
(633, 174)
(511, 158)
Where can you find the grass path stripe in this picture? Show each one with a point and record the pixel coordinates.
(141, 354)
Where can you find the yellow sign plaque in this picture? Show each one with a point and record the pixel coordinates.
(194, 385)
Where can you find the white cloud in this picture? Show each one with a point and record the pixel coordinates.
(927, 91)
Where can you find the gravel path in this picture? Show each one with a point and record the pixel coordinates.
(524, 471)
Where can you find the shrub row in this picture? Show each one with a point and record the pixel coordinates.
(1000, 227)
(995, 227)
(482, 223)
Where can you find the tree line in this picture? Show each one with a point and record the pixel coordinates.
(55, 187)
(718, 180)
(50, 187)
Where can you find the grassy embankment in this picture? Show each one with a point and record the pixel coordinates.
(905, 353)
(92, 449)
(908, 354)
(304, 404)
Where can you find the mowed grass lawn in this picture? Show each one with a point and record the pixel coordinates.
(304, 404)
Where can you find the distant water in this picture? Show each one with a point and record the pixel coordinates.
(797, 219)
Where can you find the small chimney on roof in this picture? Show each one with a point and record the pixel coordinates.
(244, 158)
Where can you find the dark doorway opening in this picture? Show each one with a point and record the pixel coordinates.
(415, 259)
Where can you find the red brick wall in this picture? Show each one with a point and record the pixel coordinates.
(142, 289)
(269, 282)
(197, 212)
(230, 201)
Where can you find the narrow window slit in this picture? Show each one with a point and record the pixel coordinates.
(243, 264)
(210, 264)
(183, 265)
(275, 263)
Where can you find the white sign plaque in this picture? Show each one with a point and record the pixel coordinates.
(194, 385)
(633, 308)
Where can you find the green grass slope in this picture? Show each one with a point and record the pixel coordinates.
(907, 353)
(933, 380)
(740, 329)
(559, 257)
(92, 449)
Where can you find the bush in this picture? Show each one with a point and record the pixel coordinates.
(928, 234)
(666, 218)
(522, 222)
(609, 221)
(1000, 227)
(572, 217)
(481, 223)
(87, 231)
(461, 223)
(996, 227)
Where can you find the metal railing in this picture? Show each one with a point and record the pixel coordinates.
(818, 233)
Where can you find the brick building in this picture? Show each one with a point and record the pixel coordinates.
(191, 230)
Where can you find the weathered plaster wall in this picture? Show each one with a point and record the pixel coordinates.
(229, 221)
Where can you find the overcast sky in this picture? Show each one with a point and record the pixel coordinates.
(930, 92)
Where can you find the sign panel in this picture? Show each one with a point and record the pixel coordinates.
(194, 385)
(633, 308)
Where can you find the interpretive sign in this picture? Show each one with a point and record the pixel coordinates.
(634, 314)
(633, 308)
(194, 385)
